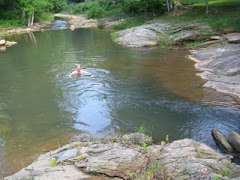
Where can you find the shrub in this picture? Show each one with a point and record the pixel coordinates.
(101, 24)
(95, 11)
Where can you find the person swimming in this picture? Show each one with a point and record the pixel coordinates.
(79, 71)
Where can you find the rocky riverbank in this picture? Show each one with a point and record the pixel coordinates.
(131, 156)
(79, 21)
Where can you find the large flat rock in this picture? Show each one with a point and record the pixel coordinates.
(162, 33)
(220, 66)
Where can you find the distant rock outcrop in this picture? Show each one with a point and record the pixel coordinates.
(162, 33)
(4, 44)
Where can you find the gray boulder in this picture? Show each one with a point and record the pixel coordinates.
(221, 140)
(233, 37)
(137, 138)
(2, 42)
(113, 160)
(190, 160)
(234, 139)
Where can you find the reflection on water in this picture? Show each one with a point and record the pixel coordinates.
(41, 107)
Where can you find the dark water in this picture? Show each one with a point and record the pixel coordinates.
(42, 108)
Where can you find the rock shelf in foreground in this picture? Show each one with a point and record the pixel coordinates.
(115, 157)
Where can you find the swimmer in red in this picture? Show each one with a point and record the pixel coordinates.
(79, 71)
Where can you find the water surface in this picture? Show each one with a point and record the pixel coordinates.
(42, 108)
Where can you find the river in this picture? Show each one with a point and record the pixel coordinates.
(42, 108)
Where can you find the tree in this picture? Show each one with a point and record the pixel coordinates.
(30, 7)
(170, 5)
(206, 1)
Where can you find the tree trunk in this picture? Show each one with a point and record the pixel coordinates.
(168, 6)
(206, 7)
(23, 15)
(31, 19)
(13, 5)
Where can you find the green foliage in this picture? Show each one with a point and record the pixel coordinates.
(152, 172)
(142, 129)
(145, 146)
(102, 8)
(53, 162)
(196, 145)
(11, 23)
(155, 7)
(167, 139)
(114, 35)
(80, 158)
(199, 154)
(223, 14)
(15, 13)
(95, 12)
(132, 22)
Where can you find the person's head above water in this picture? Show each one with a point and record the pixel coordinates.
(78, 66)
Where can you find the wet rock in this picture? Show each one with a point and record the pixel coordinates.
(137, 138)
(220, 66)
(234, 139)
(67, 155)
(1, 142)
(233, 37)
(221, 140)
(188, 159)
(113, 160)
(2, 42)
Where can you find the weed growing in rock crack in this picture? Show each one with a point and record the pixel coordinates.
(217, 178)
(196, 145)
(151, 138)
(131, 175)
(145, 146)
(149, 175)
(142, 129)
(53, 162)
(167, 139)
(228, 171)
(153, 171)
(80, 158)
(199, 154)
(219, 75)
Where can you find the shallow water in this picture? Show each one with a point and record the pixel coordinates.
(42, 108)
